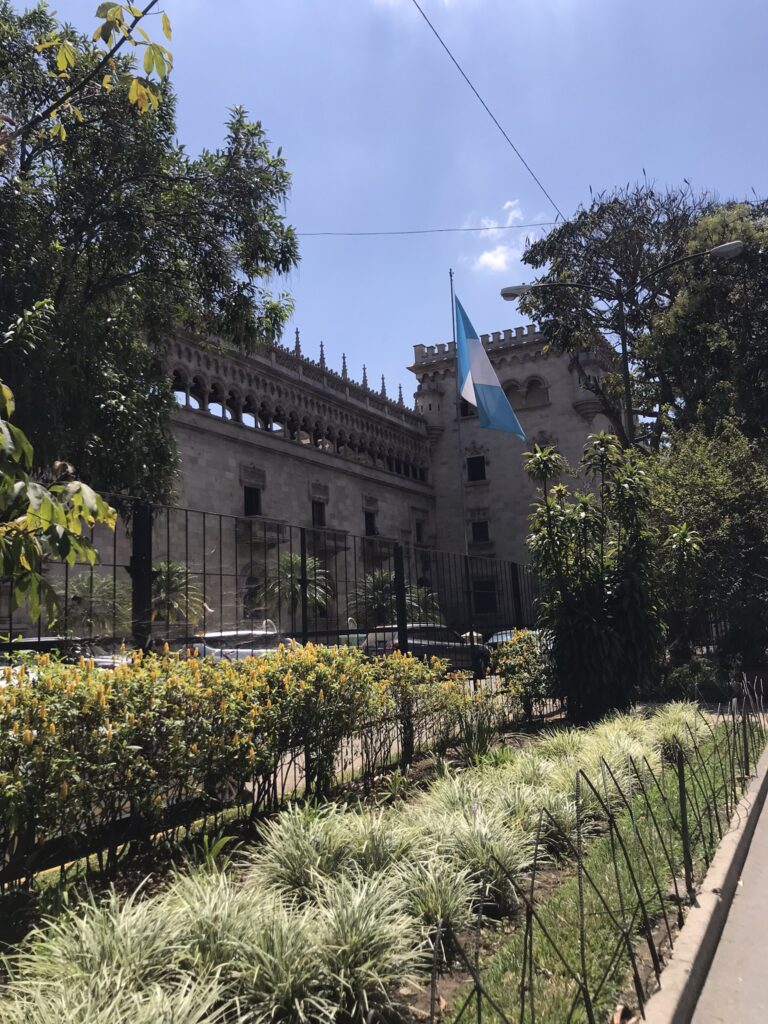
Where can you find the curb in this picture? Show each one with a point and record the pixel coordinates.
(683, 979)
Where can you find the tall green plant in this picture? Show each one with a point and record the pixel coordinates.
(373, 602)
(96, 605)
(176, 598)
(281, 591)
(594, 555)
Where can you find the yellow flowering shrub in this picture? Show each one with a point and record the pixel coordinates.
(83, 750)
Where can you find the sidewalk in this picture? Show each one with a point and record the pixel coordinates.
(736, 990)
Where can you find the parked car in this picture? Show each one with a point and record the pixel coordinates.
(502, 637)
(236, 645)
(427, 640)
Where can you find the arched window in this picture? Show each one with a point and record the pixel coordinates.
(536, 393)
(180, 392)
(198, 394)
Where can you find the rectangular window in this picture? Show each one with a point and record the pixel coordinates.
(480, 531)
(252, 501)
(476, 467)
(466, 409)
(371, 529)
(484, 597)
(318, 514)
(419, 531)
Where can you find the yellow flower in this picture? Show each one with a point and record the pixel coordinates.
(63, 790)
(28, 736)
(52, 729)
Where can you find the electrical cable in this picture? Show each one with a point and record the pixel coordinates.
(423, 231)
(488, 110)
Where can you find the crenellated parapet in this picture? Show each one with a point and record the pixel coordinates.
(300, 400)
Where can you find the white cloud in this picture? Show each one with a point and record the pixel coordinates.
(498, 259)
(502, 256)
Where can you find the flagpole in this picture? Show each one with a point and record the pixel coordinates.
(462, 488)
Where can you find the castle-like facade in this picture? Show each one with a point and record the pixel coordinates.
(282, 437)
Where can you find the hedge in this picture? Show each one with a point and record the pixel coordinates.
(83, 750)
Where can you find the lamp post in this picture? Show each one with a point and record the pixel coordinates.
(725, 251)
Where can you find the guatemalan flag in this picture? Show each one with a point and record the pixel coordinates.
(477, 381)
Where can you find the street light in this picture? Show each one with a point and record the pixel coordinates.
(724, 251)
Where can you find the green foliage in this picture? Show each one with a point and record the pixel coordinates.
(336, 910)
(372, 601)
(176, 598)
(523, 663)
(281, 590)
(73, 63)
(38, 522)
(81, 747)
(96, 605)
(718, 485)
(130, 239)
(594, 556)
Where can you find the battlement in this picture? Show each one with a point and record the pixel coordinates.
(496, 340)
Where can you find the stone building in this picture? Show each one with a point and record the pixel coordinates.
(276, 445)
(482, 494)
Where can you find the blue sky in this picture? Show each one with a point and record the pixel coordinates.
(381, 133)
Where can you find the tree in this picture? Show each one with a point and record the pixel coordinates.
(130, 239)
(594, 554)
(718, 487)
(77, 72)
(38, 522)
(282, 588)
(373, 602)
(695, 331)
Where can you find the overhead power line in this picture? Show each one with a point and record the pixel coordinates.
(423, 231)
(488, 110)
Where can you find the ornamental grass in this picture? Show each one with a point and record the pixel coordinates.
(336, 908)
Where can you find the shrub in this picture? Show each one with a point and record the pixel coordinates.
(81, 748)
(524, 665)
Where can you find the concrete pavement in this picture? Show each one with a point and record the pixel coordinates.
(736, 989)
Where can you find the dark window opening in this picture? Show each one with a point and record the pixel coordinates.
(252, 501)
(480, 531)
(419, 531)
(318, 514)
(466, 410)
(371, 529)
(476, 467)
(484, 597)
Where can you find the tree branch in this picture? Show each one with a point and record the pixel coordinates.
(25, 129)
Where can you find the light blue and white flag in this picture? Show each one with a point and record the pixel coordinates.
(477, 380)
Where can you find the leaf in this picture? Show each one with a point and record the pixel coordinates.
(167, 32)
(149, 60)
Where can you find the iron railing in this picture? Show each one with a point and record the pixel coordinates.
(173, 574)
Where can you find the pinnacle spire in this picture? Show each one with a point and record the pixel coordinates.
(344, 373)
(322, 356)
(365, 377)
(297, 345)
(383, 387)
(400, 395)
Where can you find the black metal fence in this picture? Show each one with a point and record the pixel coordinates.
(171, 574)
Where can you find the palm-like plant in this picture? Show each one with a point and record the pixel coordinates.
(372, 602)
(95, 604)
(282, 588)
(175, 598)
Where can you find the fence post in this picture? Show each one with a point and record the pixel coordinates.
(471, 620)
(140, 569)
(684, 830)
(304, 584)
(401, 614)
(517, 598)
(401, 603)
